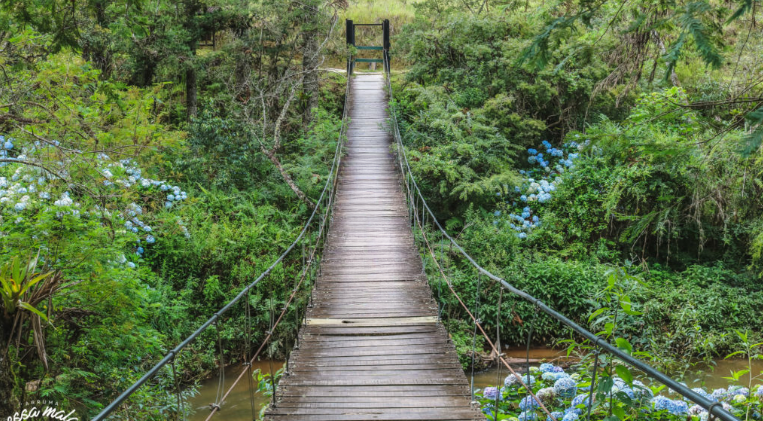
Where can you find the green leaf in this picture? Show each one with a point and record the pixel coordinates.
(31, 308)
(625, 303)
(624, 373)
(733, 354)
(623, 344)
(744, 8)
(33, 281)
(596, 313)
(605, 385)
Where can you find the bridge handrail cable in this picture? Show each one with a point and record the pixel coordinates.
(713, 408)
(327, 194)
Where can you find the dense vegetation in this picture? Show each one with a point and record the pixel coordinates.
(599, 142)
(156, 156)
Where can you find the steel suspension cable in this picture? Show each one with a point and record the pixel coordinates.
(482, 330)
(276, 321)
(474, 334)
(712, 407)
(331, 178)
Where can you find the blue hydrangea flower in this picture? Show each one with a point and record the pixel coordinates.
(523, 198)
(759, 392)
(572, 416)
(557, 369)
(140, 250)
(628, 391)
(490, 393)
(678, 407)
(488, 409)
(522, 235)
(557, 416)
(528, 403)
(150, 239)
(573, 410)
(512, 380)
(497, 213)
(545, 367)
(532, 151)
(718, 394)
(131, 265)
(660, 403)
(517, 189)
(582, 399)
(738, 390)
(640, 390)
(701, 392)
(552, 376)
(565, 387)
(528, 416)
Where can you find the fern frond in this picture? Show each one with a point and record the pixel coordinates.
(744, 8)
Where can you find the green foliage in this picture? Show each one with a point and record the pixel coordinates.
(65, 190)
(266, 384)
(16, 279)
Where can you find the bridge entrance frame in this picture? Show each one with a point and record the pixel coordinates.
(384, 48)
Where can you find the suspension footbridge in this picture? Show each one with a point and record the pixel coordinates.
(372, 345)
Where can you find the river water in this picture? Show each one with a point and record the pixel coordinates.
(238, 408)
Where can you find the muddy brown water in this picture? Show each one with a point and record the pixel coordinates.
(238, 408)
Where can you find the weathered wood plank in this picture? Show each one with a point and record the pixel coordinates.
(373, 347)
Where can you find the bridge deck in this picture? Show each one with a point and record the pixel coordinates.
(372, 348)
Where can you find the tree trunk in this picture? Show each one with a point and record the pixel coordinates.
(242, 73)
(191, 99)
(287, 178)
(192, 7)
(310, 83)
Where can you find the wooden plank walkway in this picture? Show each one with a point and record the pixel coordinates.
(372, 348)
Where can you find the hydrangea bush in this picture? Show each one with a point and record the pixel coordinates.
(540, 182)
(29, 190)
(567, 399)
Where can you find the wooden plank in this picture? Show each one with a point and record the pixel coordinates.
(372, 347)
